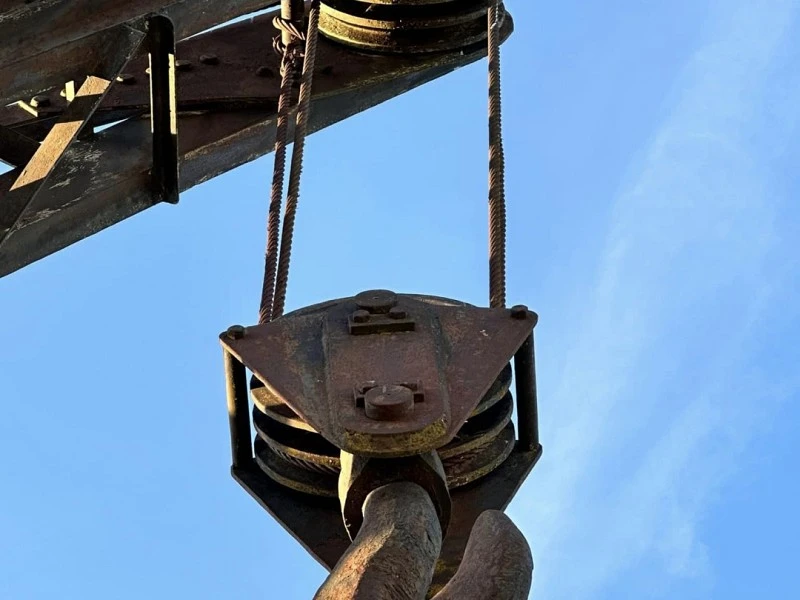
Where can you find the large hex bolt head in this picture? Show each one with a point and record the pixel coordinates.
(361, 475)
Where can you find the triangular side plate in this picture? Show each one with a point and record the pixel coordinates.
(311, 361)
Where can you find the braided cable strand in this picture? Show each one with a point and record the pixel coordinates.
(295, 173)
(286, 26)
(276, 193)
(289, 62)
(497, 193)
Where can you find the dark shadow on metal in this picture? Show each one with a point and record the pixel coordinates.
(163, 109)
(15, 148)
(527, 402)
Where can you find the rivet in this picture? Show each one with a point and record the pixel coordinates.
(126, 79)
(209, 59)
(183, 65)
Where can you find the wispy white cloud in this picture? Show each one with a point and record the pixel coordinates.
(660, 397)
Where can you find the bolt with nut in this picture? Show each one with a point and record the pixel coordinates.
(388, 402)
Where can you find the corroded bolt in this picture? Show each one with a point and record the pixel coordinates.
(377, 301)
(40, 101)
(126, 78)
(388, 402)
(265, 72)
(209, 59)
(397, 313)
(361, 316)
(235, 332)
(519, 312)
(183, 65)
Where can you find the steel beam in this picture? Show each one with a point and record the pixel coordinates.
(98, 55)
(110, 173)
(36, 175)
(30, 28)
(29, 68)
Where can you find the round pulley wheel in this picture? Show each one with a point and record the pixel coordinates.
(405, 26)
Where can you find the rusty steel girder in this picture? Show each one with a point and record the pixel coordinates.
(226, 99)
(380, 381)
(47, 43)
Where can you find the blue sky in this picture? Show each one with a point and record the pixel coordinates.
(652, 155)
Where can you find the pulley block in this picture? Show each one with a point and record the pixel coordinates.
(352, 394)
(406, 26)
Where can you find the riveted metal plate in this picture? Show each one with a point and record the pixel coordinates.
(311, 362)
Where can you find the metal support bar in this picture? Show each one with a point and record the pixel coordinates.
(36, 173)
(163, 109)
(102, 54)
(30, 28)
(527, 403)
(238, 416)
(16, 149)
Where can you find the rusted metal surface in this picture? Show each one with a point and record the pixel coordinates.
(497, 564)
(312, 363)
(35, 176)
(309, 450)
(30, 28)
(316, 522)
(361, 476)
(276, 410)
(483, 464)
(313, 521)
(109, 174)
(493, 492)
(394, 554)
(405, 26)
(245, 75)
(287, 451)
(39, 52)
(283, 468)
(97, 55)
(378, 313)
